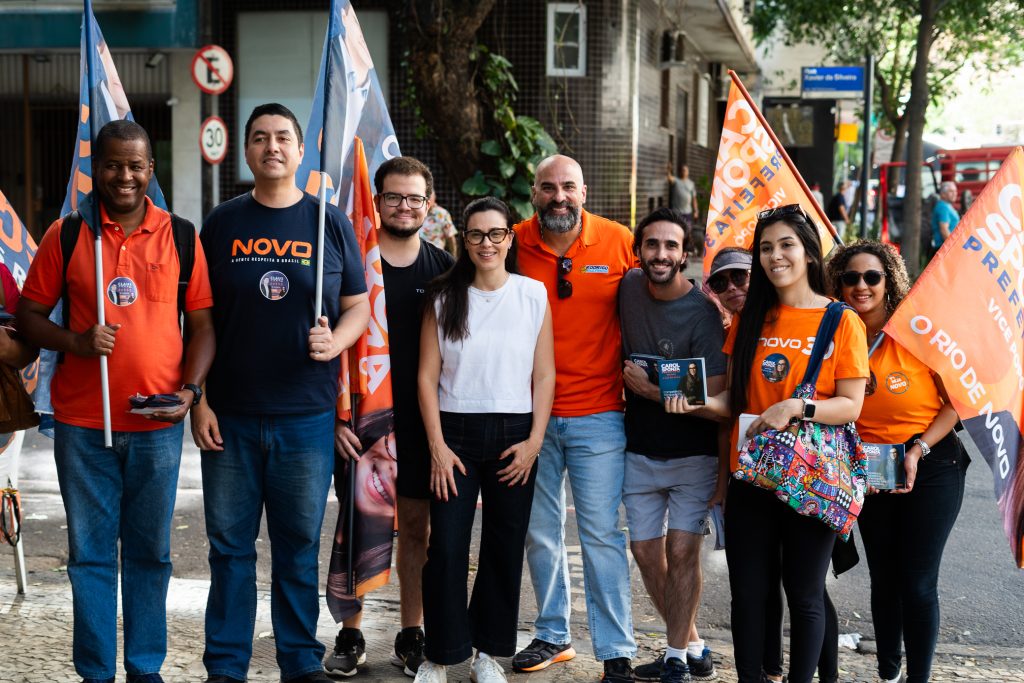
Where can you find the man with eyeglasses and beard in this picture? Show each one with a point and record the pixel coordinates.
(672, 467)
(580, 258)
(404, 186)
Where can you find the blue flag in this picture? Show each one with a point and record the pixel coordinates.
(348, 97)
(101, 98)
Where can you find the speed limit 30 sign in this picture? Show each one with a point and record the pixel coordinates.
(213, 140)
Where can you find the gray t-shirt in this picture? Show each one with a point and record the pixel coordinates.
(687, 327)
(681, 195)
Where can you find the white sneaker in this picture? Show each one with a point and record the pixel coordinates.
(899, 678)
(486, 670)
(431, 673)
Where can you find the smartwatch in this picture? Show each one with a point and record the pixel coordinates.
(195, 390)
(808, 410)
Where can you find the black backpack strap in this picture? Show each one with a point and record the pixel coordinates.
(70, 229)
(822, 340)
(185, 242)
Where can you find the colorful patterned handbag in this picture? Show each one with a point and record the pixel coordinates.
(816, 469)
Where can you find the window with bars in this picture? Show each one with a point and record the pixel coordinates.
(566, 39)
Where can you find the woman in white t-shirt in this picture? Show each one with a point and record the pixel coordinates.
(486, 385)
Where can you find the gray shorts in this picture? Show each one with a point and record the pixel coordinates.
(668, 494)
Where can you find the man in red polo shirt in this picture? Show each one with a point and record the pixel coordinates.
(580, 258)
(124, 493)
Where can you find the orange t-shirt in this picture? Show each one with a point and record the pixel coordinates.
(141, 273)
(901, 399)
(588, 341)
(784, 350)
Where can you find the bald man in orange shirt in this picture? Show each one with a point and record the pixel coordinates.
(580, 258)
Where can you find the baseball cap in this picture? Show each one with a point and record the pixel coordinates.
(730, 260)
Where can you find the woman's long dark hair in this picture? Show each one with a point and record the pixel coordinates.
(452, 287)
(762, 299)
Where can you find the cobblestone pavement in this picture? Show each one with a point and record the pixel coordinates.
(35, 630)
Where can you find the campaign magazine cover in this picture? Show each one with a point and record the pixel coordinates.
(885, 465)
(648, 364)
(683, 377)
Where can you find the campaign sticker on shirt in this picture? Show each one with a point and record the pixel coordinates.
(775, 367)
(274, 285)
(897, 383)
(122, 291)
(594, 269)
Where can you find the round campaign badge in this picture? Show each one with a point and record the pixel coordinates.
(274, 285)
(775, 367)
(897, 383)
(122, 291)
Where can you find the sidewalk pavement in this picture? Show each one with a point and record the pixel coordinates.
(36, 630)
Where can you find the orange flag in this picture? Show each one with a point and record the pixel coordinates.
(753, 173)
(964, 319)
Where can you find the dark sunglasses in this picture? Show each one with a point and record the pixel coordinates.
(719, 282)
(564, 285)
(780, 212)
(871, 277)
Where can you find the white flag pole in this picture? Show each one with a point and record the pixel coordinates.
(108, 438)
(320, 249)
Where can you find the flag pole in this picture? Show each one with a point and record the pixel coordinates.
(320, 247)
(785, 157)
(101, 317)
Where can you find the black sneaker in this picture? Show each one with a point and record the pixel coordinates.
(408, 652)
(675, 671)
(314, 676)
(540, 654)
(617, 670)
(220, 678)
(651, 671)
(349, 653)
(701, 668)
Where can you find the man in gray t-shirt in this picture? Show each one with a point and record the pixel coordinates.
(682, 196)
(672, 469)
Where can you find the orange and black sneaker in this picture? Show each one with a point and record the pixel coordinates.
(541, 654)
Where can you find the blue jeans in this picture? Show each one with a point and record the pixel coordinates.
(282, 463)
(122, 493)
(592, 448)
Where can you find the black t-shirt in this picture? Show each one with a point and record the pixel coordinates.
(837, 201)
(404, 293)
(687, 327)
(263, 274)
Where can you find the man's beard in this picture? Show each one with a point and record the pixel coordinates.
(660, 279)
(401, 233)
(559, 224)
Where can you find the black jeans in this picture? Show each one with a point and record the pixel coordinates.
(490, 622)
(766, 539)
(904, 536)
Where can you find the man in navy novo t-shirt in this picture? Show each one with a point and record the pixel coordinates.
(266, 421)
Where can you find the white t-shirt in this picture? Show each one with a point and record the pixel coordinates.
(491, 371)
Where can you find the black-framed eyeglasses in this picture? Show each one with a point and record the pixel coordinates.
(871, 277)
(564, 285)
(719, 282)
(786, 211)
(414, 201)
(496, 236)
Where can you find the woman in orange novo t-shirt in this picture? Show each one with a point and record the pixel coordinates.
(905, 403)
(769, 348)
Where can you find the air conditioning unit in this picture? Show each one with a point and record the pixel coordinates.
(673, 49)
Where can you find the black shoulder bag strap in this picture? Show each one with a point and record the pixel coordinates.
(826, 331)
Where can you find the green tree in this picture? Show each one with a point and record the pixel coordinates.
(919, 46)
(463, 94)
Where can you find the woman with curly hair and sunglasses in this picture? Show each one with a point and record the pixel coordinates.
(904, 531)
(785, 304)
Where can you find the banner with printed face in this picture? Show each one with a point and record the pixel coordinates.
(964, 318)
(752, 174)
(354, 136)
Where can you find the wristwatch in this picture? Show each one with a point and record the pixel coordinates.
(925, 448)
(808, 409)
(195, 390)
